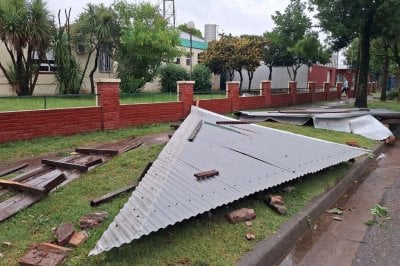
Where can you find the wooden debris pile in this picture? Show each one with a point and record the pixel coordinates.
(37, 183)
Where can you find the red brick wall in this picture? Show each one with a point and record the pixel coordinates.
(320, 96)
(29, 124)
(141, 114)
(304, 98)
(281, 100)
(251, 102)
(318, 74)
(221, 106)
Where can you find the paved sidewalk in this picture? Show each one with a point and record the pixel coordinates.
(350, 241)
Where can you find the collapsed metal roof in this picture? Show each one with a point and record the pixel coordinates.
(249, 158)
(343, 120)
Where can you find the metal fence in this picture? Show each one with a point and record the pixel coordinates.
(18, 103)
(147, 97)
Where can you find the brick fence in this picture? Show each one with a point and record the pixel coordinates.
(110, 114)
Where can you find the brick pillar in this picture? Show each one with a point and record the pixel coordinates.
(327, 87)
(266, 92)
(108, 100)
(339, 87)
(311, 90)
(293, 91)
(185, 95)
(232, 92)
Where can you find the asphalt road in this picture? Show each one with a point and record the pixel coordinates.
(346, 239)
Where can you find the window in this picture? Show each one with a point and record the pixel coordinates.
(47, 64)
(178, 61)
(188, 61)
(105, 61)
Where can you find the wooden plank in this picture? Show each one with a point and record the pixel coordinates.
(195, 131)
(134, 145)
(97, 151)
(22, 187)
(231, 122)
(111, 195)
(14, 204)
(94, 162)
(30, 174)
(13, 169)
(206, 174)
(65, 165)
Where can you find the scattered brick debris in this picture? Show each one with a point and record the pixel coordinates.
(92, 220)
(78, 238)
(51, 248)
(35, 257)
(241, 215)
(250, 236)
(390, 140)
(276, 203)
(248, 223)
(64, 233)
(206, 174)
(353, 144)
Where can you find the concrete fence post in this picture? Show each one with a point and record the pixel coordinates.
(293, 91)
(266, 92)
(339, 87)
(185, 95)
(311, 90)
(108, 100)
(327, 87)
(232, 92)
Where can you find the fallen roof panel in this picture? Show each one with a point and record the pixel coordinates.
(249, 158)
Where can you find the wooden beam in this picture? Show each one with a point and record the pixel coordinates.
(206, 174)
(195, 131)
(94, 162)
(97, 151)
(29, 174)
(134, 145)
(111, 195)
(13, 169)
(65, 165)
(22, 187)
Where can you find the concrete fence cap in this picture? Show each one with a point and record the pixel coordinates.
(233, 82)
(185, 82)
(107, 80)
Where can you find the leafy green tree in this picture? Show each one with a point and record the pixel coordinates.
(68, 71)
(146, 41)
(272, 51)
(202, 77)
(252, 54)
(195, 32)
(170, 74)
(26, 31)
(346, 20)
(98, 28)
(295, 43)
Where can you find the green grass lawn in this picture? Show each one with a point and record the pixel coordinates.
(199, 241)
(68, 101)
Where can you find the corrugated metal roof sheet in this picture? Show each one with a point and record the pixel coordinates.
(249, 158)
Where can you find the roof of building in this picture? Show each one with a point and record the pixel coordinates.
(197, 43)
(248, 157)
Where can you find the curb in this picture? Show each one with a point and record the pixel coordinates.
(272, 250)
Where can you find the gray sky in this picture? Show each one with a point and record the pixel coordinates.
(233, 16)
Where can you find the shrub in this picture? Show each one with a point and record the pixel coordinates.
(202, 78)
(170, 74)
(393, 94)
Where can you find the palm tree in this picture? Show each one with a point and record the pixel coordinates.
(97, 27)
(25, 30)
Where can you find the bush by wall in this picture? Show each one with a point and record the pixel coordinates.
(170, 74)
(202, 78)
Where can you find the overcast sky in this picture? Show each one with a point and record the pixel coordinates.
(233, 16)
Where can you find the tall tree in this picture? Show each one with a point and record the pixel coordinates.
(346, 20)
(272, 51)
(146, 41)
(98, 28)
(26, 31)
(295, 44)
(252, 50)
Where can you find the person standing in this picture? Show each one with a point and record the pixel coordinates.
(345, 86)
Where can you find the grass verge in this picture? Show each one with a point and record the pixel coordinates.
(21, 149)
(197, 241)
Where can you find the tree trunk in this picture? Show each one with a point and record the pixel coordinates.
(362, 92)
(270, 73)
(241, 79)
(85, 68)
(289, 73)
(92, 85)
(250, 74)
(385, 73)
